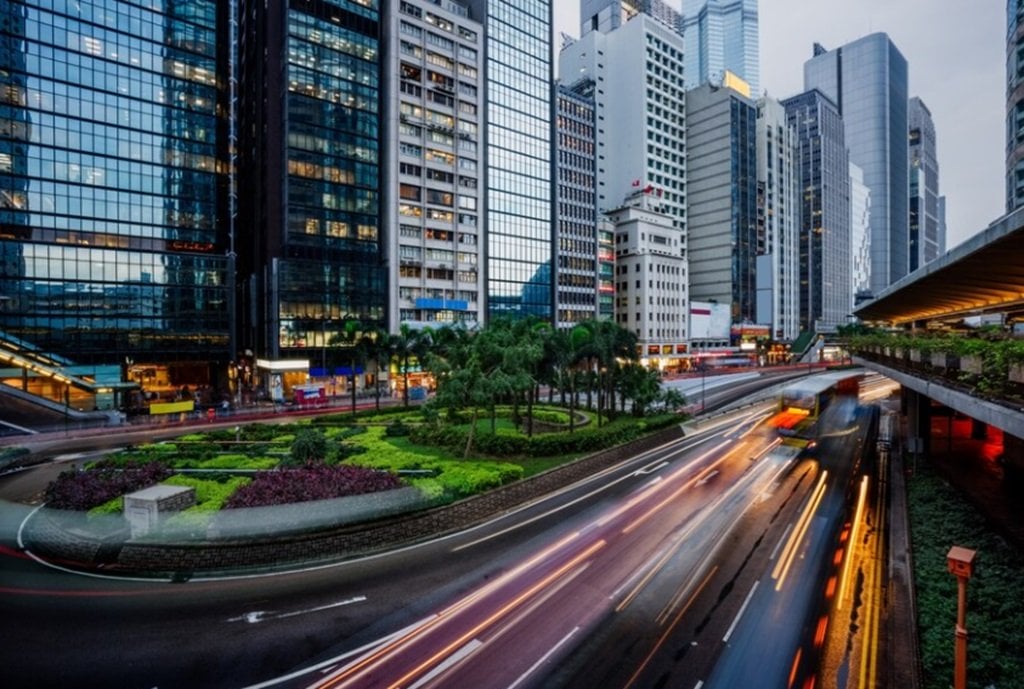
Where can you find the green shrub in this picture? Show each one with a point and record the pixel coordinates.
(309, 445)
(211, 494)
(237, 461)
(940, 518)
(396, 428)
(346, 450)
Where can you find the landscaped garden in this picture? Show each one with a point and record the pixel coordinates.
(940, 518)
(486, 427)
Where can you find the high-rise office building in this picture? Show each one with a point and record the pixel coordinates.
(867, 80)
(860, 233)
(722, 213)
(518, 115)
(924, 186)
(1014, 104)
(114, 204)
(636, 66)
(310, 168)
(722, 35)
(825, 281)
(778, 221)
(576, 231)
(608, 15)
(640, 107)
(434, 187)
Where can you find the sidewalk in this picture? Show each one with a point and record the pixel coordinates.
(904, 666)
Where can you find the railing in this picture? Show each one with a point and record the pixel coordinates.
(986, 368)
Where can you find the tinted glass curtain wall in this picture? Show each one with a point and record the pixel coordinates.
(113, 178)
(519, 114)
(310, 109)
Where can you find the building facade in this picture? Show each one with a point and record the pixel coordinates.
(722, 35)
(722, 225)
(867, 80)
(825, 281)
(114, 203)
(923, 225)
(310, 166)
(577, 272)
(1014, 104)
(434, 187)
(517, 120)
(650, 280)
(778, 221)
(640, 113)
(860, 233)
(608, 15)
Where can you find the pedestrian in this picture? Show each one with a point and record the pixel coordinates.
(211, 414)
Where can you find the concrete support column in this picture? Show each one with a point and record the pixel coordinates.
(918, 410)
(979, 430)
(1013, 459)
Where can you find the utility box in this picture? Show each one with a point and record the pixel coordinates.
(144, 509)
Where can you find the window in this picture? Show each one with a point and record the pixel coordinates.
(441, 198)
(409, 192)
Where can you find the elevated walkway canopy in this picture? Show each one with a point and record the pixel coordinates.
(983, 275)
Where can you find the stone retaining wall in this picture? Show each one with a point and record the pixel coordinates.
(46, 537)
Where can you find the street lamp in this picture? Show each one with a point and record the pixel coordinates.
(960, 562)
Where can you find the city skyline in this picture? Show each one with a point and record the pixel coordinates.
(965, 89)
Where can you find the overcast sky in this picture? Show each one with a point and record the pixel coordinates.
(956, 50)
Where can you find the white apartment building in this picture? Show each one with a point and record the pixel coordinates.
(650, 279)
(434, 167)
(640, 107)
(636, 65)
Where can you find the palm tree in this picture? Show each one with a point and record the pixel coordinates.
(357, 341)
(405, 346)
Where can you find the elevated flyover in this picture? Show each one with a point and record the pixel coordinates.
(982, 276)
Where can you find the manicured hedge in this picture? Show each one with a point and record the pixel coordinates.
(514, 444)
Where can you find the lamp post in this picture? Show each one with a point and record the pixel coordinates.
(960, 562)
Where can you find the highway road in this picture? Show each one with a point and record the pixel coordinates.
(503, 604)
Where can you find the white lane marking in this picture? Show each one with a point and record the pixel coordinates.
(543, 659)
(450, 661)
(344, 656)
(775, 550)
(743, 607)
(708, 477)
(699, 684)
(650, 468)
(261, 615)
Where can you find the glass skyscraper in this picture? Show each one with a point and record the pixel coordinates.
(924, 228)
(518, 116)
(114, 183)
(721, 35)
(1014, 104)
(867, 80)
(309, 168)
(825, 281)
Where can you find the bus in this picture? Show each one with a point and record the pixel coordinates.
(801, 405)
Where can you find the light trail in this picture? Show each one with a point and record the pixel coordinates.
(668, 631)
(789, 552)
(851, 545)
